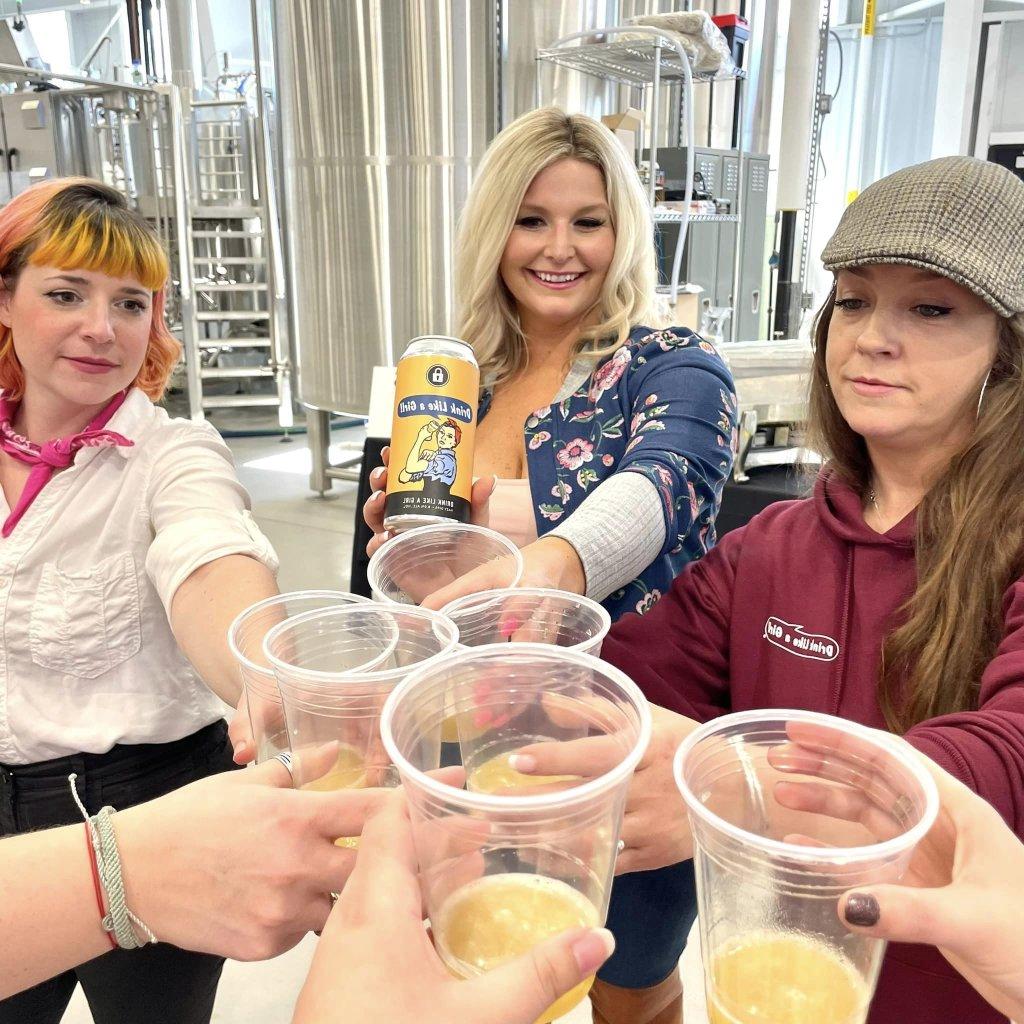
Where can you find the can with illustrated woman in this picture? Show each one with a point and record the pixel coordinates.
(430, 479)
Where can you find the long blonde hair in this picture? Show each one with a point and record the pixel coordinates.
(970, 539)
(487, 311)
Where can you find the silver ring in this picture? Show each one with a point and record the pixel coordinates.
(620, 845)
(285, 758)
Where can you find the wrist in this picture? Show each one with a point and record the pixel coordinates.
(140, 867)
(568, 571)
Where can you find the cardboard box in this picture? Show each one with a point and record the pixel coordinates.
(688, 307)
(628, 126)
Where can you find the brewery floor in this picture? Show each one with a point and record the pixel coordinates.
(313, 539)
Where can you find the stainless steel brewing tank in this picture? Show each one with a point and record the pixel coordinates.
(385, 108)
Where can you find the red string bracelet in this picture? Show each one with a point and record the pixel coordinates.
(96, 883)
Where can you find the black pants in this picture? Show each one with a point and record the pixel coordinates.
(158, 984)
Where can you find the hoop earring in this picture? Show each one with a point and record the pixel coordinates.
(984, 384)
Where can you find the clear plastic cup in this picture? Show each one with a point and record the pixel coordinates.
(419, 562)
(531, 615)
(332, 693)
(512, 859)
(245, 639)
(789, 810)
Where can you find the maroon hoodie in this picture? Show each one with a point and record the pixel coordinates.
(790, 612)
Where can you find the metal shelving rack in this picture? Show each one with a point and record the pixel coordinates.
(629, 62)
(653, 58)
(678, 216)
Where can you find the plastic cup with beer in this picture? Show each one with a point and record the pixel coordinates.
(789, 810)
(419, 562)
(333, 692)
(245, 639)
(530, 615)
(512, 859)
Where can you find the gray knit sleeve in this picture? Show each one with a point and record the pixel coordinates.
(617, 531)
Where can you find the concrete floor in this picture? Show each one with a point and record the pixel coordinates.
(313, 539)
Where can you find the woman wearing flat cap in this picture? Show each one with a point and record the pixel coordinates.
(908, 559)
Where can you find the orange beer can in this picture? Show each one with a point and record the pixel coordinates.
(430, 475)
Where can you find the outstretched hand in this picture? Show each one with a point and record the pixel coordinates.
(376, 960)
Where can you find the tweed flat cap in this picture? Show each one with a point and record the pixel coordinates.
(958, 216)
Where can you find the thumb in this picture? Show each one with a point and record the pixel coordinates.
(902, 913)
(527, 986)
(490, 576)
(481, 496)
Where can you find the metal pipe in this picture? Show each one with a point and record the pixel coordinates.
(146, 12)
(181, 28)
(677, 260)
(787, 287)
(159, 171)
(131, 7)
(737, 256)
(182, 211)
(8, 162)
(652, 149)
(318, 437)
(812, 166)
(268, 195)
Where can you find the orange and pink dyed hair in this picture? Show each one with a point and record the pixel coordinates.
(81, 224)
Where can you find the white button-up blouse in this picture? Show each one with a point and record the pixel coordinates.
(87, 657)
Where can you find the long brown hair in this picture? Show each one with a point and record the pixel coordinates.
(970, 539)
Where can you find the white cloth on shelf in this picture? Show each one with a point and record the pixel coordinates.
(701, 39)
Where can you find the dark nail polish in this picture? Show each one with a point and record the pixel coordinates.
(862, 910)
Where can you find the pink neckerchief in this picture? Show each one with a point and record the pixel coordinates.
(59, 453)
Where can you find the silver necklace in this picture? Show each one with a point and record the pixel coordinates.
(872, 499)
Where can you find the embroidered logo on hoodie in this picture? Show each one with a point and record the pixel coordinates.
(790, 637)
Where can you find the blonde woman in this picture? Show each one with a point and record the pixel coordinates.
(605, 436)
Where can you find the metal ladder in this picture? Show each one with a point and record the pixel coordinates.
(237, 327)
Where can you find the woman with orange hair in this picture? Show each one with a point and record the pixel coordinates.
(126, 549)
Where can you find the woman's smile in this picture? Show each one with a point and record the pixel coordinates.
(557, 281)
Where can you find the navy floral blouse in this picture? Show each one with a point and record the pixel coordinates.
(661, 405)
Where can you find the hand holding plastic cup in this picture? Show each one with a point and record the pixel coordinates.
(335, 668)
(530, 615)
(789, 810)
(419, 562)
(527, 615)
(245, 639)
(508, 862)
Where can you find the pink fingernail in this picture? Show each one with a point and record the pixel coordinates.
(523, 763)
(592, 949)
(508, 626)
